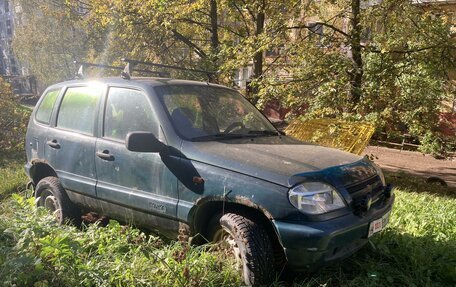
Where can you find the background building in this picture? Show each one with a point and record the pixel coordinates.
(9, 65)
(10, 68)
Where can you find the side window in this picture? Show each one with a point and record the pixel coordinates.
(78, 109)
(126, 111)
(43, 114)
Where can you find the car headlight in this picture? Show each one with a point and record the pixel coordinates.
(379, 173)
(315, 198)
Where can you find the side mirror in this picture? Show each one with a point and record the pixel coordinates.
(143, 142)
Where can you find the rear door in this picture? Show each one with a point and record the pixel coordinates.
(137, 187)
(37, 129)
(70, 143)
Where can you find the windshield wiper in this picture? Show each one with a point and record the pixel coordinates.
(253, 133)
(264, 133)
(218, 136)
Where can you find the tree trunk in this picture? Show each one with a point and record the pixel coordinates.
(214, 38)
(257, 58)
(214, 28)
(356, 75)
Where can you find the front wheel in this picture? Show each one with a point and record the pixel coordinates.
(249, 244)
(51, 195)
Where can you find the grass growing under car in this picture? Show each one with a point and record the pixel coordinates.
(417, 248)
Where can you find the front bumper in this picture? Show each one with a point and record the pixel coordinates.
(311, 245)
(27, 168)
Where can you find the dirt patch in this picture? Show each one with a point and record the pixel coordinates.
(416, 163)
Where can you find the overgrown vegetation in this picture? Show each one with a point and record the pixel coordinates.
(417, 248)
(37, 252)
(387, 62)
(12, 173)
(13, 120)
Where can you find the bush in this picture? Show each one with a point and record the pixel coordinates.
(13, 120)
(437, 145)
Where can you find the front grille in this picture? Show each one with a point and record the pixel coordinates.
(360, 192)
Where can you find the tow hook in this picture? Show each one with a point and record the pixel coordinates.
(388, 191)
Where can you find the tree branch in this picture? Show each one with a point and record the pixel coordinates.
(243, 18)
(305, 26)
(408, 51)
(189, 43)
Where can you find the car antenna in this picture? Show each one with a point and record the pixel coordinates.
(80, 73)
(126, 73)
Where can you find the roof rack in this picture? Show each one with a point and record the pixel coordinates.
(126, 74)
(84, 65)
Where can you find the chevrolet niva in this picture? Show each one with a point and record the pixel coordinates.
(197, 160)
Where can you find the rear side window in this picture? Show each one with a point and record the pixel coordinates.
(78, 109)
(127, 110)
(44, 112)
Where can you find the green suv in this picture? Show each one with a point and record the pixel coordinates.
(197, 160)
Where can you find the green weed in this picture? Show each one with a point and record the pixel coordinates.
(36, 251)
(417, 248)
(12, 175)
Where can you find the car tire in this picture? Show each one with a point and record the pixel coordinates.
(251, 247)
(50, 194)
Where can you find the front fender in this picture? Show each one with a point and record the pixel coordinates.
(227, 186)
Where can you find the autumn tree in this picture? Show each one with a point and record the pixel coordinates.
(383, 61)
(48, 38)
(387, 63)
(13, 119)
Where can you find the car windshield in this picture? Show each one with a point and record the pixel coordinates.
(207, 113)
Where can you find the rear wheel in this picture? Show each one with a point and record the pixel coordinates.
(248, 243)
(51, 195)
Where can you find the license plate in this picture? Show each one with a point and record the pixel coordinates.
(378, 224)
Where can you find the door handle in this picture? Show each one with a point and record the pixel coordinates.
(53, 144)
(105, 155)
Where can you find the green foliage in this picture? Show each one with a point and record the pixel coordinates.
(12, 173)
(406, 55)
(13, 120)
(114, 255)
(406, 66)
(416, 249)
(50, 38)
(407, 52)
(437, 145)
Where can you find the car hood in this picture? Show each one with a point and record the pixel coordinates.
(275, 159)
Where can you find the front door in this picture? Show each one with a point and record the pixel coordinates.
(136, 187)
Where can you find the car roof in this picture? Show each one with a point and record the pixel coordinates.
(139, 81)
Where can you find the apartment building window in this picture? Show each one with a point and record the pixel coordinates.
(9, 30)
(274, 52)
(245, 73)
(316, 32)
(7, 8)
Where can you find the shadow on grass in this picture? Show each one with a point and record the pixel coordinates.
(392, 259)
(411, 183)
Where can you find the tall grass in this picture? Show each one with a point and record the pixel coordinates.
(34, 251)
(12, 176)
(417, 249)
